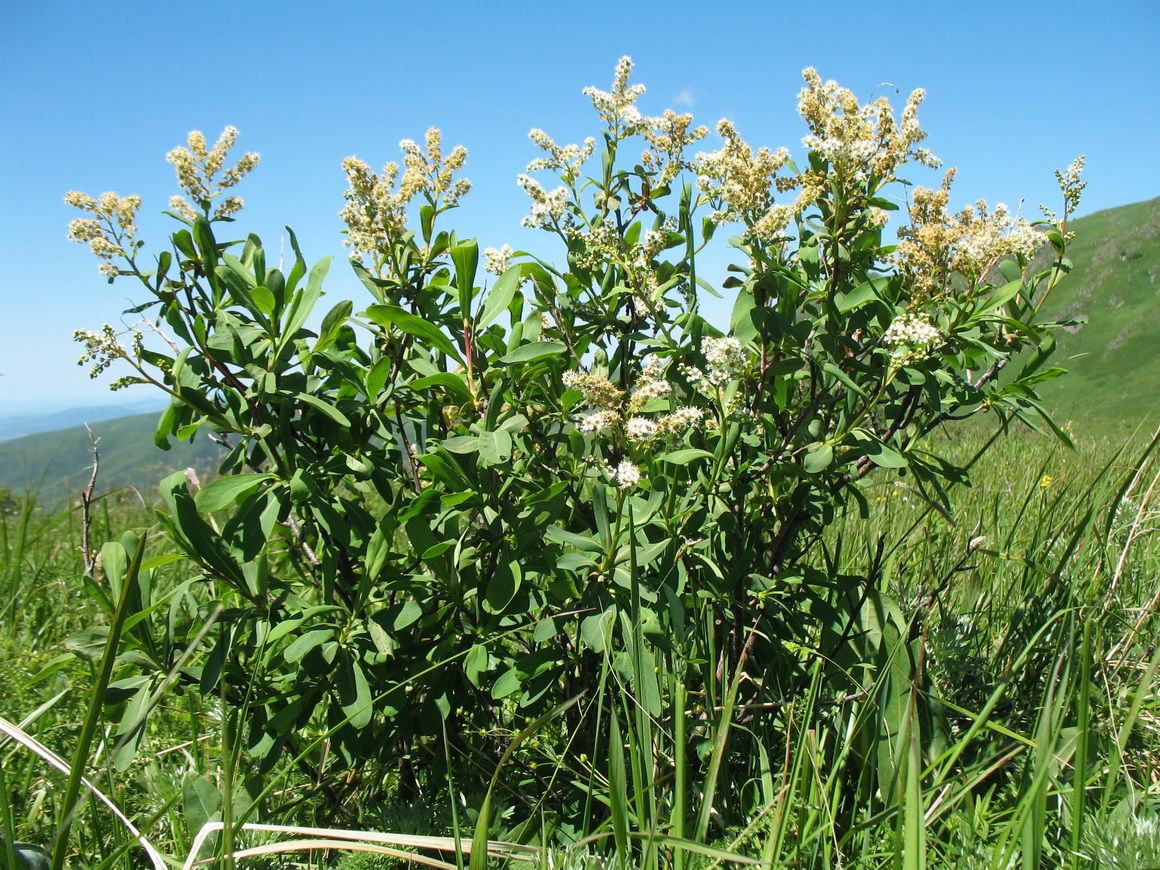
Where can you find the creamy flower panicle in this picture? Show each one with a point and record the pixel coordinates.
(598, 392)
(939, 244)
(627, 474)
(740, 184)
(110, 232)
(197, 167)
(860, 140)
(628, 422)
(377, 203)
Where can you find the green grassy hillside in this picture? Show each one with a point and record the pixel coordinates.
(58, 464)
(1114, 288)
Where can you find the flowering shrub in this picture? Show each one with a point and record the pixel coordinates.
(478, 498)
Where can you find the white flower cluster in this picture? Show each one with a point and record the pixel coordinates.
(547, 207)
(651, 385)
(641, 429)
(600, 422)
(617, 106)
(667, 137)
(565, 159)
(839, 150)
(620, 420)
(910, 333)
(740, 184)
(196, 167)
(598, 392)
(859, 139)
(724, 355)
(986, 239)
(726, 360)
(109, 231)
(939, 244)
(376, 210)
(670, 135)
(498, 260)
(626, 475)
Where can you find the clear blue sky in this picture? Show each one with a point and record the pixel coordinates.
(95, 94)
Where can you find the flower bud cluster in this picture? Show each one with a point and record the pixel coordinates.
(860, 141)
(376, 211)
(102, 348)
(567, 160)
(197, 167)
(624, 474)
(938, 244)
(617, 107)
(548, 207)
(598, 392)
(111, 230)
(726, 360)
(499, 260)
(616, 419)
(909, 334)
(740, 184)
(669, 136)
(627, 475)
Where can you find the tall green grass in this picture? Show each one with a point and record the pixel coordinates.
(1000, 711)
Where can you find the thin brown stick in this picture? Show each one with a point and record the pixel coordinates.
(87, 554)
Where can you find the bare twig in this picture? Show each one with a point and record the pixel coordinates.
(87, 553)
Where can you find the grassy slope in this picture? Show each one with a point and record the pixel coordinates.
(58, 463)
(1114, 286)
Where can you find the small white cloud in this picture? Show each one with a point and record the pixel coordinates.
(685, 98)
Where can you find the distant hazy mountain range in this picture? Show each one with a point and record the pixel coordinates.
(26, 423)
(58, 464)
(1112, 355)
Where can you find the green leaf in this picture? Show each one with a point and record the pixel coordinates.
(263, 299)
(451, 382)
(818, 458)
(224, 491)
(878, 452)
(325, 407)
(533, 351)
(741, 322)
(508, 683)
(331, 324)
(495, 447)
(462, 444)
(377, 377)
(465, 256)
(202, 802)
(306, 642)
(500, 296)
(393, 315)
(405, 614)
(303, 302)
(685, 456)
(427, 221)
(475, 663)
(580, 542)
(1000, 297)
(860, 295)
(502, 587)
(354, 693)
(832, 369)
